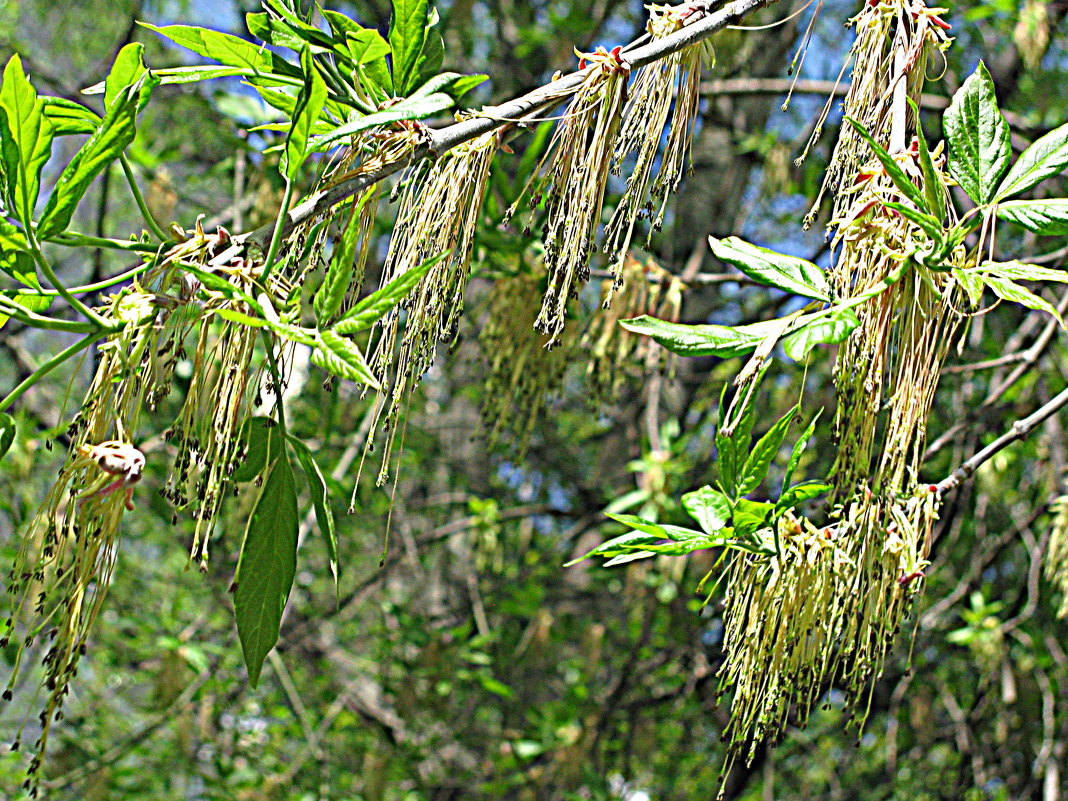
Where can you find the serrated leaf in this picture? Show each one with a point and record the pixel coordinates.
(415, 108)
(15, 258)
(709, 507)
(798, 450)
(1044, 217)
(755, 469)
(369, 52)
(829, 329)
(978, 136)
(893, 169)
(25, 139)
(788, 273)
(273, 31)
(407, 35)
(266, 567)
(116, 131)
(7, 433)
(702, 340)
(1007, 289)
(1046, 157)
(226, 49)
(751, 516)
(341, 357)
(379, 303)
(69, 118)
(309, 107)
(320, 497)
(662, 531)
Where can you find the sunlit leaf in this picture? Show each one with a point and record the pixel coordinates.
(379, 303)
(320, 497)
(755, 469)
(828, 329)
(25, 139)
(788, 273)
(978, 136)
(1044, 217)
(1046, 157)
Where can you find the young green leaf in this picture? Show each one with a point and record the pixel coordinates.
(335, 286)
(709, 507)
(893, 169)
(1046, 157)
(69, 118)
(226, 49)
(7, 433)
(369, 51)
(926, 222)
(933, 190)
(798, 450)
(341, 357)
(454, 84)
(1044, 217)
(788, 273)
(320, 497)
(751, 517)
(407, 36)
(309, 106)
(413, 108)
(1021, 271)
(972, 282)
(25, 140)
(129, 68)
(116, 131)
(702, 340)
(15, 258)
(828, 329)
(755, 469)
(1007, 289)
(978, 136)
(801, 493)
(266, 567)
(673, 533)
(379, 303)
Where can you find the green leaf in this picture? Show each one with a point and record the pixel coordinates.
(801, 493)
(129, 68)
(972, 282)
(828, 329)
(414, 108)
(978, 136)
(702, 340)
(273, 31)
(407, 35)
(1009, 290)
(926, 222)
(370, 62)
(756, 466)
(788, 273)
(7, 433)
(331, 294)
(309, 106)
(266, 567)
(1045, 157)
(799, 449)
(709, 507)
(116, 131)
(263, 446)
(933, 190)
(751, 516)
(341, 357)
(226, 49)
(673, 533)
(893, 169)
(1044, 217)
(1021, 271)
(454, 84)
(379, 303)
(25, 139)
(15, 258)
(69, 118)
(320, 497)
(364, 44)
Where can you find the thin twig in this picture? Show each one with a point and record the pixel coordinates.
(1020, 429)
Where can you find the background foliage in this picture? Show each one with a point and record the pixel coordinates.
(471, 663)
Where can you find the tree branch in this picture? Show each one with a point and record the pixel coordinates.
(701, 25)
(1020, 429)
